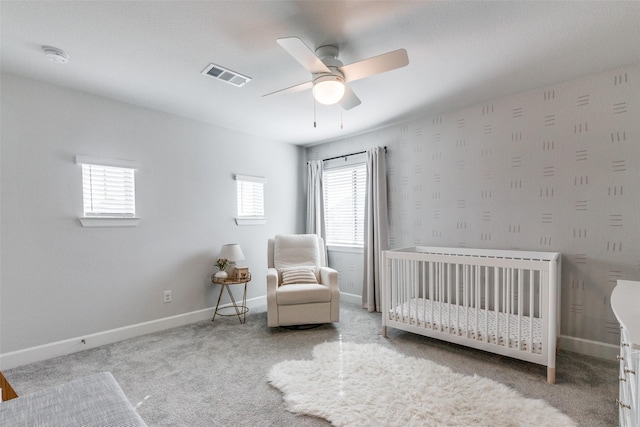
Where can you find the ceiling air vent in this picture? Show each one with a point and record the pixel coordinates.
(226, 75)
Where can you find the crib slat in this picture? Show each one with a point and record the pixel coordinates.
(394, 287)
(510, 325)
(532, 284)
(418, 291)
(405, 288)
(496, 291)
(401, 279)
(459, 279)
(398, 276)
(507, 310)
(391, 285)
(406, 291)
(520, 302)
(440, 280)
(431, 296)
(414, 292)
(423, 293)
(467, 285)
(486, 304)
(452, 275)
(440, 291)
(503, 309)
(476, 303)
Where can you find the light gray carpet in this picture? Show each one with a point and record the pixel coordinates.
(214, 374)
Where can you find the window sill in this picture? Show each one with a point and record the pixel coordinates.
(240, 221)
(346, 249)
(109, 222)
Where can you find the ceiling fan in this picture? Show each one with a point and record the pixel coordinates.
(329, 76)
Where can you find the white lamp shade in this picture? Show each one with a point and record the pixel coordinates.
(328, 90)
(232, 252)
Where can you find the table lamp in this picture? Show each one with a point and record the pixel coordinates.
(232, 252)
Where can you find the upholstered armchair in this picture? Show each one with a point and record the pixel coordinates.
(301, 289)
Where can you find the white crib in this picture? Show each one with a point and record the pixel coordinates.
(504, 302)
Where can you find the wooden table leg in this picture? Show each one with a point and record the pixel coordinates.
(8, 392)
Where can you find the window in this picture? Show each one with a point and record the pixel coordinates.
(344, 191)
(250, 190)
(108, 191)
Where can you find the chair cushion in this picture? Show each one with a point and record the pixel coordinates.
(303, 294)
(298, 275)
(295, 250)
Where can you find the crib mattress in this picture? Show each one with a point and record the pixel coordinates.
(473, 323)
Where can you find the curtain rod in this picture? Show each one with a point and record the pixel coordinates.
(347, 155)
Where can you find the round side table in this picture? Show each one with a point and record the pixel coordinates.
(240, 309)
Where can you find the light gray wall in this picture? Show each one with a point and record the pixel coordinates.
(554, 169)
(348, 262)
(60, 280)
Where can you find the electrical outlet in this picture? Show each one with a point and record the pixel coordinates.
(167, 296)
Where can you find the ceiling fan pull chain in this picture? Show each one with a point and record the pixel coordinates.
(314, 112)
(341, 119)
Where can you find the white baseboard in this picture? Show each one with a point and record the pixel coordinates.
(589, 348)
(73, 345)
(352, 298)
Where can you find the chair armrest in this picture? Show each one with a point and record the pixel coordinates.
(272, 280)
(329, 277)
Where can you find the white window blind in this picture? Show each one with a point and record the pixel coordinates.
(344, 191)
(250, 192)
(108, 188)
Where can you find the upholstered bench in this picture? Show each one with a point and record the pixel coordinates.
(95, 401)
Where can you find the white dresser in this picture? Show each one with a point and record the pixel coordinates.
(625, 302)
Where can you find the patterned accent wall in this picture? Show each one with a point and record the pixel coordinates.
(554, 169)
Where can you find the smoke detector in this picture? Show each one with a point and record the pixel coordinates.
(54, 54)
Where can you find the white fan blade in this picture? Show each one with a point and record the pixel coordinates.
(375, 65)
(349, 100)
(303, 54)
(293, 89)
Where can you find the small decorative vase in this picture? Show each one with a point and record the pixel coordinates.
(221, 274)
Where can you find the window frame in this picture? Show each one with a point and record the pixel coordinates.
(241, 217)
(105, 219)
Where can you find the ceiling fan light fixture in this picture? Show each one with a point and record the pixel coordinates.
(328, 90)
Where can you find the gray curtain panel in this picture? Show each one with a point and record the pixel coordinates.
(315, 200)
(376, 227)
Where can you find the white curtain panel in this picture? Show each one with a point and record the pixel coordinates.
(376, 227)
(315, 199)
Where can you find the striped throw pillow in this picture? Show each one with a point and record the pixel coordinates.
(298, 275)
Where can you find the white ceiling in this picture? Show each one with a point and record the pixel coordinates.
(151, 53)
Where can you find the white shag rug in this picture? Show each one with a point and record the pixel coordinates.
(369, 385)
